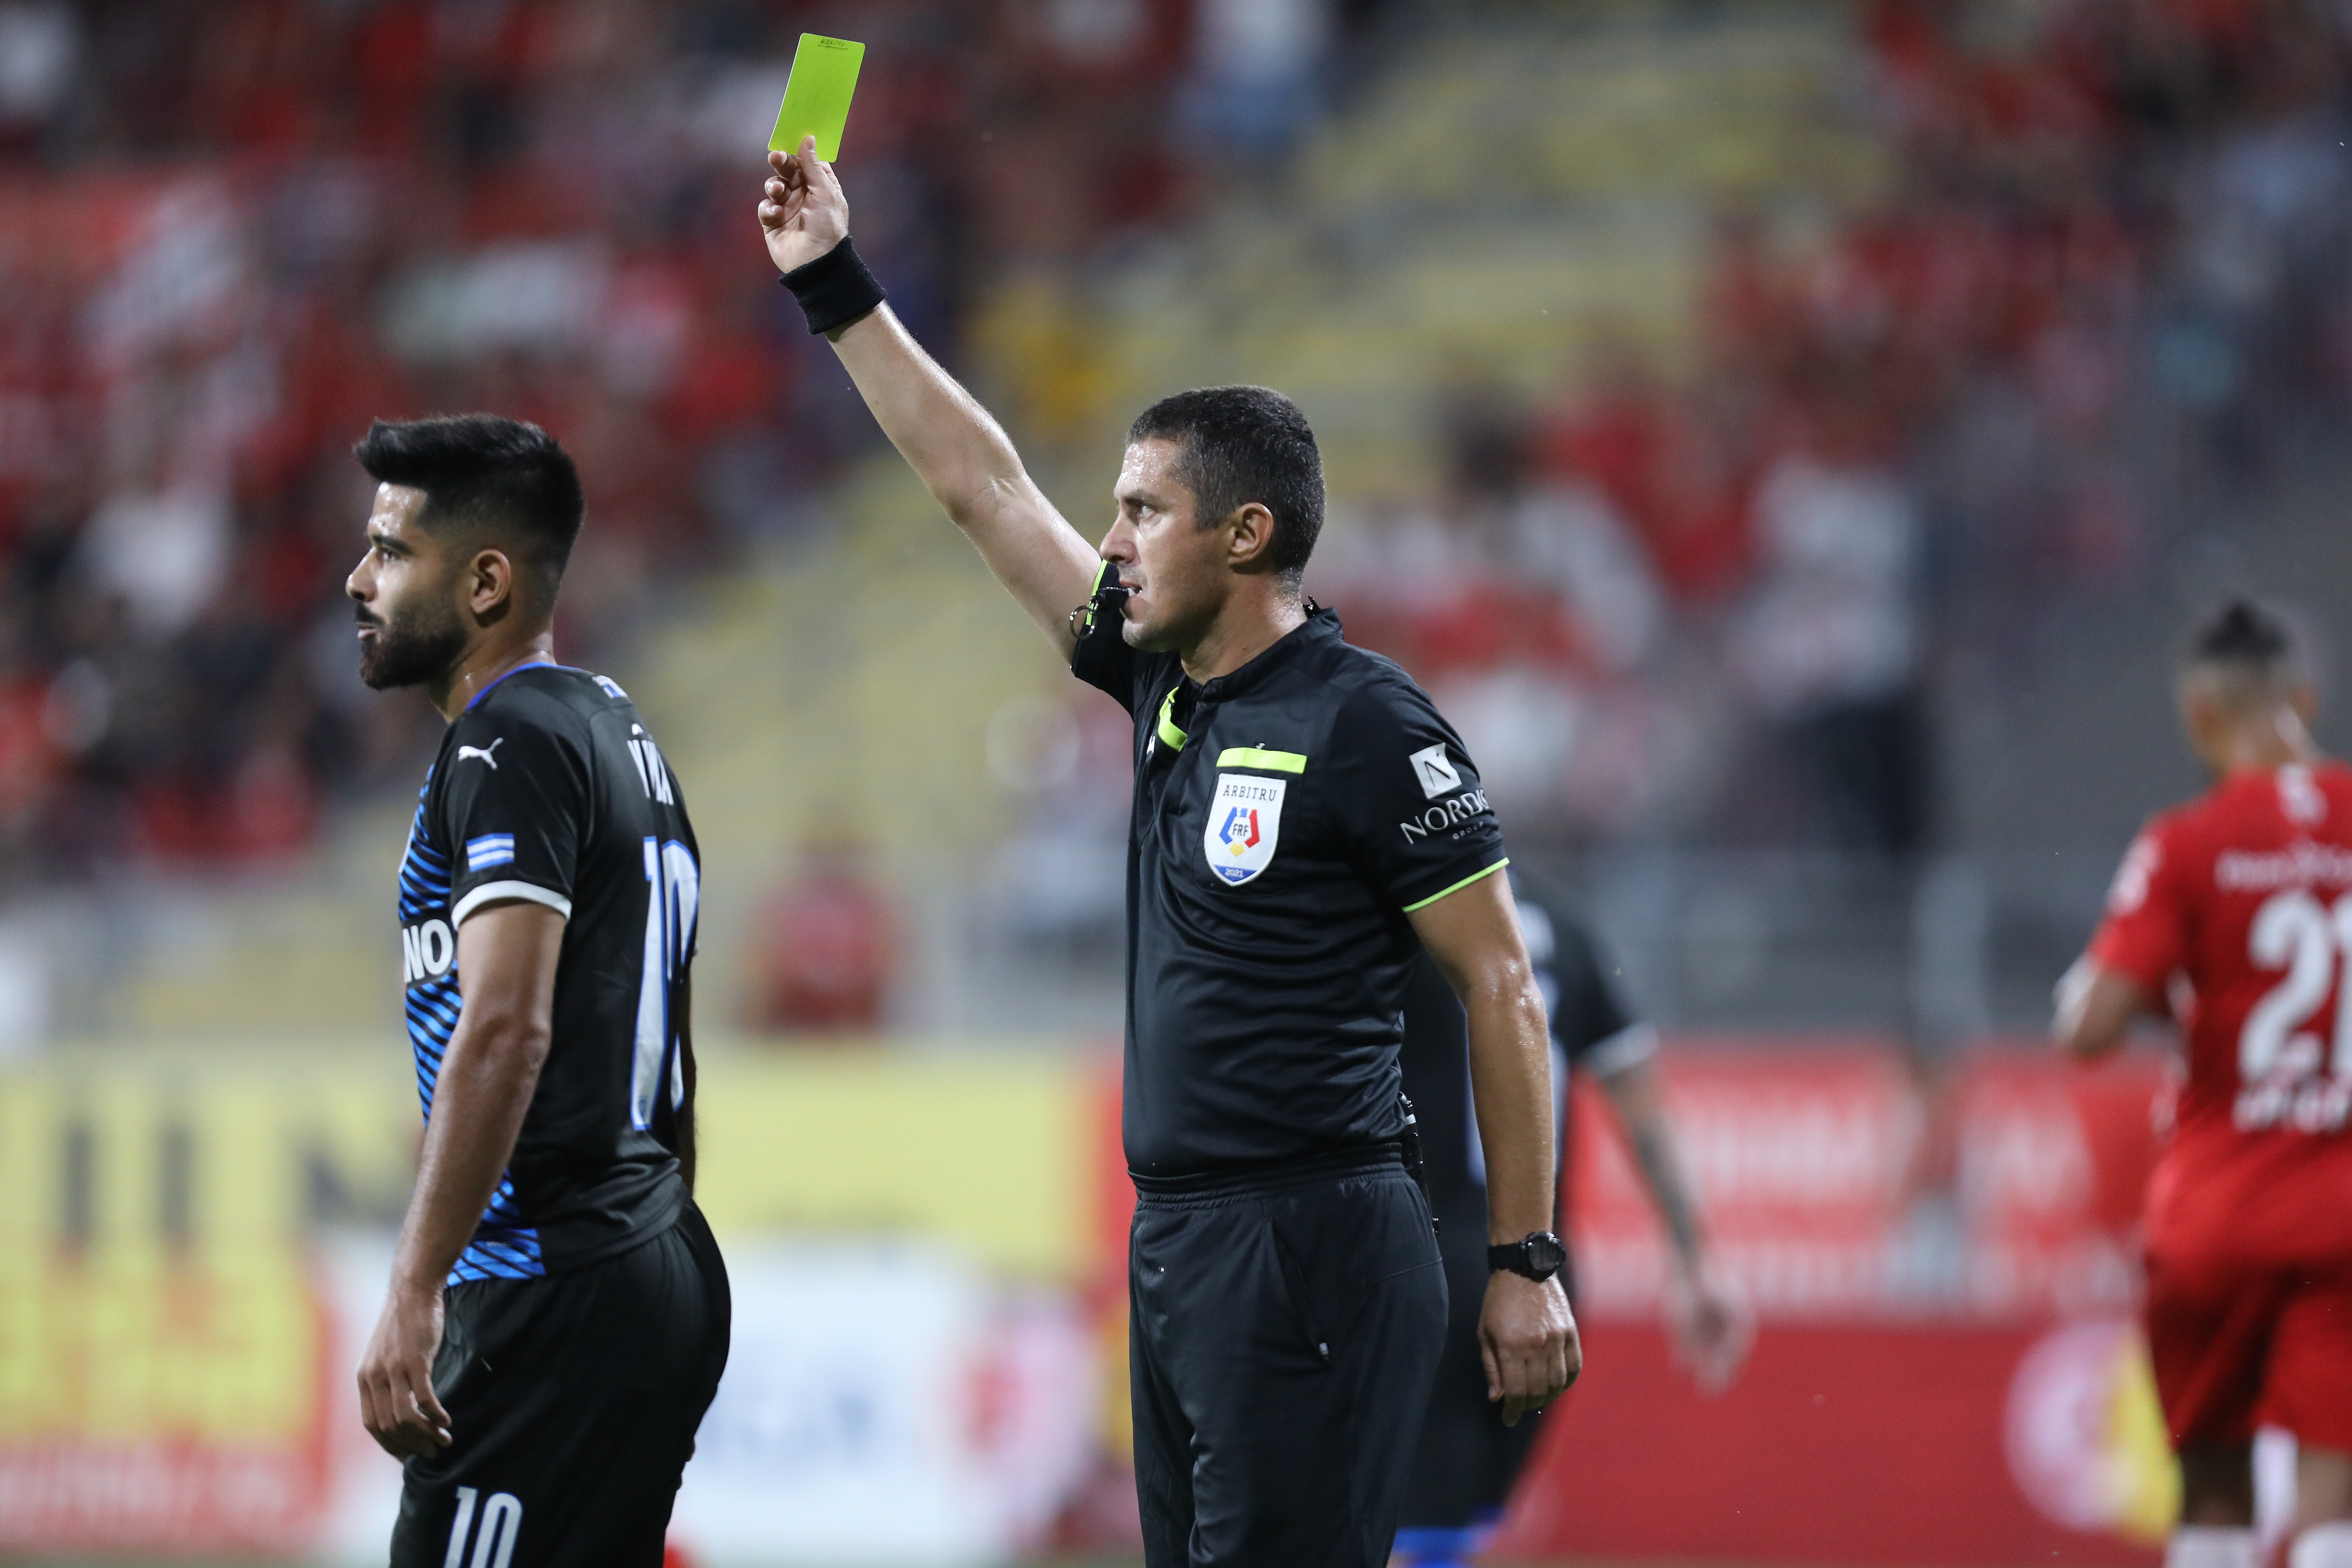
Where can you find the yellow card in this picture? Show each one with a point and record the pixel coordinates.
(816, 95)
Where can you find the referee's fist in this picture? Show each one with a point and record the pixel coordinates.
(1527, 1338)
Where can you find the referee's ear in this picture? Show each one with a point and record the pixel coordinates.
(1249, 538)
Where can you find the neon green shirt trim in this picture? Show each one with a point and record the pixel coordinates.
(1272, 762)
(1473, 877)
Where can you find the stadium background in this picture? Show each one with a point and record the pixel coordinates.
(1786, 434)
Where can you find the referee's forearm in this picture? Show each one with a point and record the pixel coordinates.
(954, 445)
(1510, 1082)
(478, 1101)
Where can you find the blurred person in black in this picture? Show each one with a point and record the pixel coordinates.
(1467, 1461)
(1301, 816)
(557, 1314)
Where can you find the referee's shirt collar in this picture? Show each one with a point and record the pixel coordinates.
(1321, 625)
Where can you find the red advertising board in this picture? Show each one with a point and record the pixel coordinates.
(1841, 1183)
(1804, 1154)
(1852, 1442)
(1942, 1267)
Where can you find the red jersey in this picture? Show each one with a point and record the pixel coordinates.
(2237, 909)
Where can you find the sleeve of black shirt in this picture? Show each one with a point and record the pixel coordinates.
(1406, 796)
(514, 808)
(1101, 657)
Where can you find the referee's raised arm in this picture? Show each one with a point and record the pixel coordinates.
(958, 448)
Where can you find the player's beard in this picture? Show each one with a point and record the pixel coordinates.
(412, 647)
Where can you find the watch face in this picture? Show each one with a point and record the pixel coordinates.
(1545, 1252)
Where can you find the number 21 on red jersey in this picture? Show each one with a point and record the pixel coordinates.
(2278, 1060)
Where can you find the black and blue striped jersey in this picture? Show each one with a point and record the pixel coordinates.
(549, 788)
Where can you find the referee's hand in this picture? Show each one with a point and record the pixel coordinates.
(1527, 1338)
(397, 1402)
(802, 211)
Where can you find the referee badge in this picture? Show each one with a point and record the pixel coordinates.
(1244, 824)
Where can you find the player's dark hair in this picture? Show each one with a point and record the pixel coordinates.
(1243, 444)
(2243, 633)
(2246, 644)
(501, 479)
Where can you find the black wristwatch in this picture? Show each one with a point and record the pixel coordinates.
(1540, 1256)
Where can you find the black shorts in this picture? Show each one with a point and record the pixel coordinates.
(1281, 1342)
(573, 1403)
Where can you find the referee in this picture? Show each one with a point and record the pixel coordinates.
(1301, 814)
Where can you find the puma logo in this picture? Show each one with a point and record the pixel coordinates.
(483, 753)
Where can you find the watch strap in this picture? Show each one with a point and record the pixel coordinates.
(1520, 1256)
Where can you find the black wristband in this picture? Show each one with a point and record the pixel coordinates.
(834, 290)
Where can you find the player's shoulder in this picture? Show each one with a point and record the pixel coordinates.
(547, 694)
(2297, 800)
(2175, 823)
(538, 705)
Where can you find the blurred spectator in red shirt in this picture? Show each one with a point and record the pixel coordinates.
(1660, 467)
(828, 949)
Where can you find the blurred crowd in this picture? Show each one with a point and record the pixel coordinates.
(2111, 282)
(233, 232)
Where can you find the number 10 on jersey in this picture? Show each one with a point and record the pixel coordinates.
(673, 897)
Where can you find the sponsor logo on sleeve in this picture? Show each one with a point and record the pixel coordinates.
(482, 753)
(1444, 816)
(1244, 824)
(1434, 771)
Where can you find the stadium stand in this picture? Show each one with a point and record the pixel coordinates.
(1645, 339)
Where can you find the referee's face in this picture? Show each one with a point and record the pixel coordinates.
(1174, 570)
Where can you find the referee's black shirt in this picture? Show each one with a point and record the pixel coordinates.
(1286, 817)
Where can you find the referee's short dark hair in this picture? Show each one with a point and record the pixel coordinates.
(495, 478)
(1243, 444)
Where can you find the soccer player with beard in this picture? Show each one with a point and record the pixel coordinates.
(2233, 913)
(558, 1315)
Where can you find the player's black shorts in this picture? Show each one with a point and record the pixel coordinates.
(573, 1403)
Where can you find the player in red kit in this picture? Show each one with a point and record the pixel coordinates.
(2234, 914)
